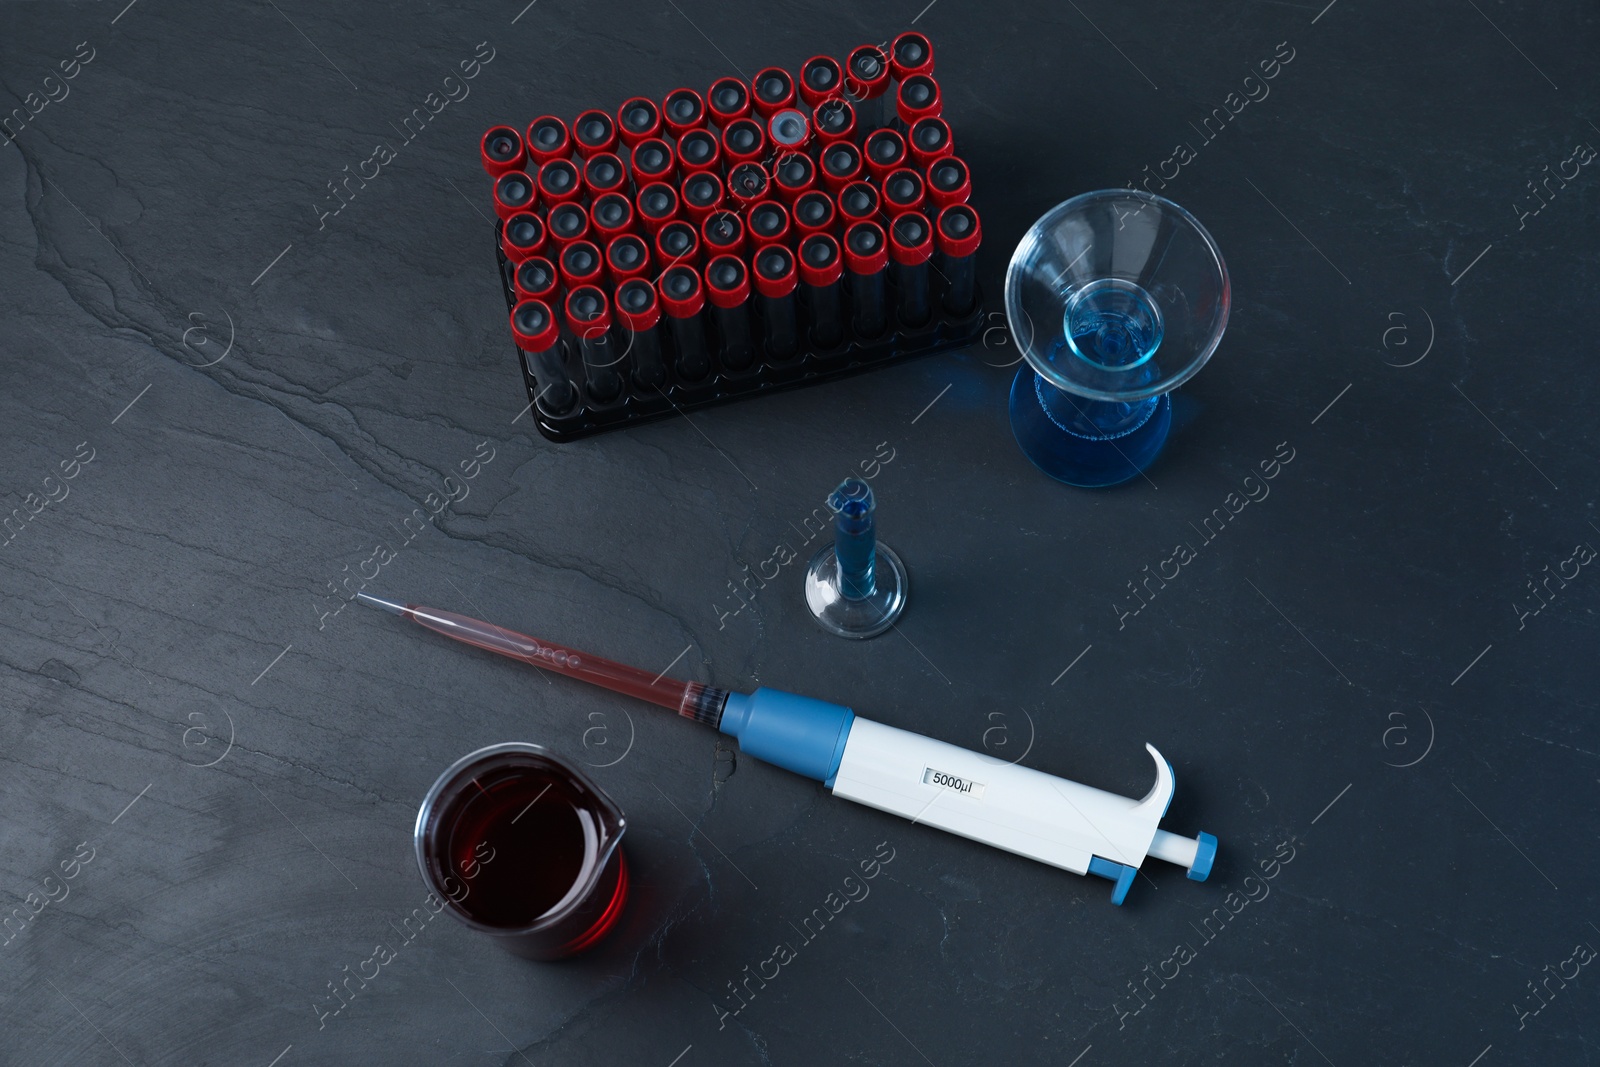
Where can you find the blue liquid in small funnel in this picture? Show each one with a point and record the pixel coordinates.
(1113, 324)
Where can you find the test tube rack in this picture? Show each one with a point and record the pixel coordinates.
(603, 372)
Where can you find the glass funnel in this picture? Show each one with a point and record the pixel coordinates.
(1115, 298)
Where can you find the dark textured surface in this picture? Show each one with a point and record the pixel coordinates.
(1314, 645)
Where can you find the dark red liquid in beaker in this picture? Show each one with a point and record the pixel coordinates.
(526, 841)
(525, 847)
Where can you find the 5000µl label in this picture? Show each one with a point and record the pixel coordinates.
(953, 782)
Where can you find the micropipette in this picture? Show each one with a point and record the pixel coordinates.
(1053, 820)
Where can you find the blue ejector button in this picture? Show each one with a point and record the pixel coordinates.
(1120, 873)
(1204, 856)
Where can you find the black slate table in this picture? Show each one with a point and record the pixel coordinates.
(226, 382)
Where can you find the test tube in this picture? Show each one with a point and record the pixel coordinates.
(949, 182)
(841, 165)
(536, 279)
(538, 335)
(639, 313)
(916, 97)
(722, 234)
(768, 222)
(682, 111)
(957, 237)
(568, 222)
(866, 259)
(858, 201)
(728, 287)
(835, 120)
(595, 132)
(789, 130)
(637, 119)
(728, 100)
(522, 237)
(743, 141)
(611, 217)
(702, 194)
(820, 267)
(885, 151)
(866, 80)
(548, 140)
(821, 77)
(814, 213)
(775, 282)
(699, 150)
(910, 247)
(501, 150)
(653, 161)
(658, 205)
(627, 257)
(793, 174)
(581, 265)
(930, 139)
(678, 242)
(771, 90)
(910, 54)
(589, 315)
(514, 192)
(903, 190)
(559, 182)
(683, 299)
(747, 185)
(603, 173)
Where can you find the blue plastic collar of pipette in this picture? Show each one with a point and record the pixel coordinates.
(799, 734)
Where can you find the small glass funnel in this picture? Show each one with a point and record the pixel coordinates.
(1115, 298)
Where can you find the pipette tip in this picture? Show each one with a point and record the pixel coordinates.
(386, 605)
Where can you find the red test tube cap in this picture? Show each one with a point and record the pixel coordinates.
(683, 110)
(903, 190)
(930, 139)
(588, 311)
(703, 193)
(748, 184)
(743, 141)
(728, 99)
(699, 150)
(567, 223)
(595, 131)
(536, 279)
(841, 165)
(885, 151)
(727, 281)
(658, 205)
(916, 98)
(548, 139)
(771, 91)
(910, 238)
(959, 232)
(627, 257)
(559, 182)
(603, 173)
(502, 150)
(678, 242)
(910, 54)
(835, 120)
(681, 293)
(722, 232)
(820, 78)
(581, 265)
(653, 161)
(638, 308)
(768, 222)
(637, 119)
(534, 325)
(814, 213)
(819, 262)
(866, 250)
(611, 216)
(866, 75)
(794, 174)
(514, 191)
(522, 236)
(774, 274)
(859, 200)
(949, 182)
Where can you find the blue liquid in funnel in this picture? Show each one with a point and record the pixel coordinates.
(1113, 324)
